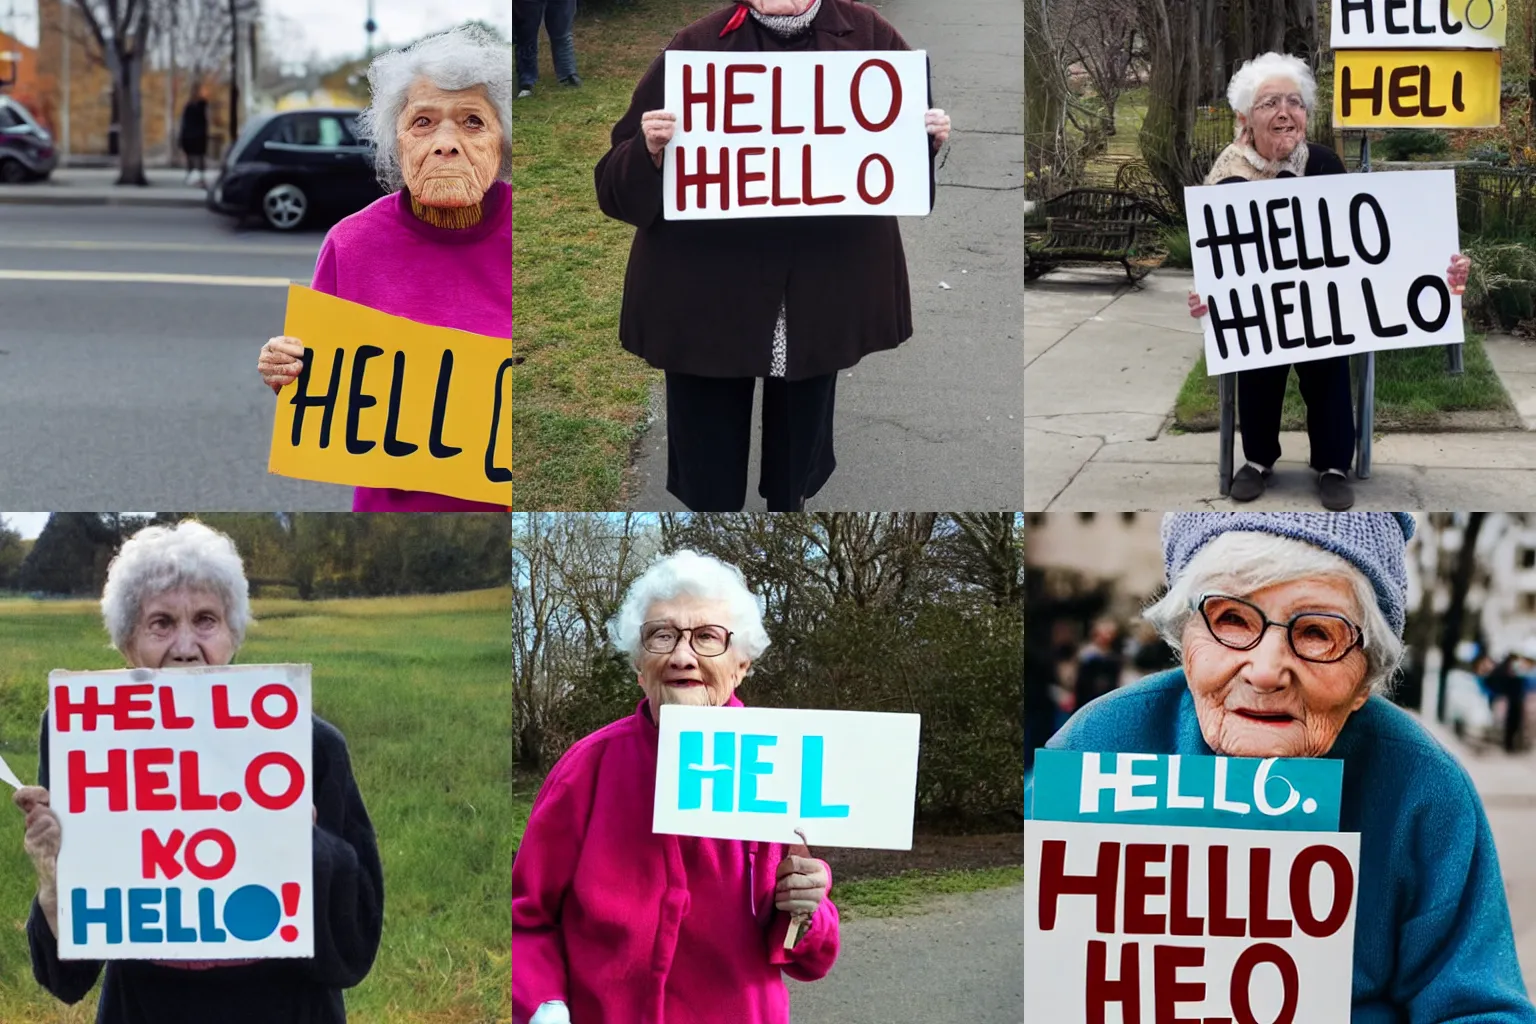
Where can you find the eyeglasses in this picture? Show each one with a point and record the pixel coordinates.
(1268, 103)
(706, 641)
(1313, 636)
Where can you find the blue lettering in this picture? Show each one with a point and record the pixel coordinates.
(691, 773)
(751, 768)
(812, 749)
(175, 931)
(82, 915)
(208, 922)
(143, 914)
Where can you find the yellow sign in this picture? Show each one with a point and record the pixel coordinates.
(1416, 88)
(387, 402)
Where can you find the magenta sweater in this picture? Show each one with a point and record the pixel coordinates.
(388, 259)
(628, 927)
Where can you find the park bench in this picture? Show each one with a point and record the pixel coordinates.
(1089, 226)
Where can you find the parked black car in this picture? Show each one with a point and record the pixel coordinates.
(296, 165)
(26, 148)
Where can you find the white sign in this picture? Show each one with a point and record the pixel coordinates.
(1419, 24)
(796, 134)
(9, 777)
(184, 796)
(1297, 269)
(1146, 923)
(845, 778)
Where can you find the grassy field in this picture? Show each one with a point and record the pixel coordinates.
(419, 686)
(1413, 392)
(579, 400)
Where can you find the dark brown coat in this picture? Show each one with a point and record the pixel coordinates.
(702, 297)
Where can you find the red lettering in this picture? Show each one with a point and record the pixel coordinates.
(702, 178)
(890, 180)
(779, 127)
(151, 789)
(1221, 924)
(222, 719)
(135, 707)
(822, 128)
(805, 179)
(745, 177)
(1139, 885)
(283, 719)
(114, 780)
(1100, 990)
(160, 857)
(1301, 890)
(168, 716)
(287, 797)
(192, 796)
(690, 97)
(1101, 885)
(732, 97)
(1179, 921)
(1166, 961)
(858, 106)
(220, 867)
(1242, 976)
(779, 199)
(89, 709)
(1260, 924)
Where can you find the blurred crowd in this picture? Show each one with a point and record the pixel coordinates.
(1485, 696)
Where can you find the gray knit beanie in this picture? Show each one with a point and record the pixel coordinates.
(1373, 542)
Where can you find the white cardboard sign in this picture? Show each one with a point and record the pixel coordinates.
(796, 134)
(184, 796)
(846, 778)
(1296, 269)
(1419, 24)
(1145, 923)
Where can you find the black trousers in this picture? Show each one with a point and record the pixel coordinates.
(1330, 412)
(709, 436)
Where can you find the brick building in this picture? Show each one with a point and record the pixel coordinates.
(18, 71)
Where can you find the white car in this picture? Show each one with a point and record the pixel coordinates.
(1467, 709)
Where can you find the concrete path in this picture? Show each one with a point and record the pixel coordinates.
(938, 422)
(1103, 366)
(961, 959)
(93, 186)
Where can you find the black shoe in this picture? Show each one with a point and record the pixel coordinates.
(1248, 484)
(1335, 491)
(574, 81)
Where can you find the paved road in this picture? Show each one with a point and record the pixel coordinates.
(132, 393)
(962, 960)
(938, 423)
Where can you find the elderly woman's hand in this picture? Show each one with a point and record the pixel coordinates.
(937, 123)
(41, 842)
(1197, 309)
(1456, 273)
(802, 885)
(659, 126)
(281, 362)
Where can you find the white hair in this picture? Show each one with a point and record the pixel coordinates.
(1244, 86)
(460, 58)
(702, 576)
(1242, 562)
(159, 559)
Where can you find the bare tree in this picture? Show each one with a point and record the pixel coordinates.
(1100, 35)
(120, 31)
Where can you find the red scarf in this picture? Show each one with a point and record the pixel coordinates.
(735, 22)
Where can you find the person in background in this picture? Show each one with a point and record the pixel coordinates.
(557, 17)
(1507, 680)
(1150, 652)
(194, 135)
(1099, 663)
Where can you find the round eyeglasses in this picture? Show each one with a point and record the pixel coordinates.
(1314, 636)
(706, 641)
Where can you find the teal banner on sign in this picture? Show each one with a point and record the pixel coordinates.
(1287, 794)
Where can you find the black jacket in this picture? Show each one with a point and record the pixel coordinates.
(194, 126)
(349, 917)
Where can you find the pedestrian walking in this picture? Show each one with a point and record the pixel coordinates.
(194, 136)
(557, 17)
(1507, 682)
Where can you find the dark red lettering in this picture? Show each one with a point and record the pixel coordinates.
(745, 177)
(890, 180)
(702, 178)
(1301, 890)
(1139, 885)
(779, 127)
(1179, 921)
(1221, 924)
(778, 198)
(805, 182)
(732, 97)
(151, 789)
(1101, 885)
(1100, 991)
(707, 97)
(822, 128)
(1260, 924)
(114, 780)
(1170, 991)
(1242, 977)
(858, 104)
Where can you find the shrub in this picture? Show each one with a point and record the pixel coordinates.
(1489, 153)
(1407, 142)
(1501, 288)
(1176, 242)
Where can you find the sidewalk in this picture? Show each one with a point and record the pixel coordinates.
(93, 186)
(1103, 367)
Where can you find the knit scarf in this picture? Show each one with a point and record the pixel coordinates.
(1241, 160)
(785, 25)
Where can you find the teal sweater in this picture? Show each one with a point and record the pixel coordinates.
(1433, 942)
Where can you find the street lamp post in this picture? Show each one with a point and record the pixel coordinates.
(234, 72)
(370, 26)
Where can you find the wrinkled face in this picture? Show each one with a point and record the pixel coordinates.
(181, 628)
(1267, 702)
(1278, 120)
(685, 677)
(450, 144)
(780, 6)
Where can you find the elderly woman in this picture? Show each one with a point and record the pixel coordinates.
(1289, 627)
(611, 922)
(177, 598)
(1271, 96)
(438, 249)
(718, 304)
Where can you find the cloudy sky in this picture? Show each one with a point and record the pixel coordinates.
(28, 524)
(332, 28)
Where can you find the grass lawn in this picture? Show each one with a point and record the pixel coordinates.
(579, 400)
(911, 890)
(419, 687)
(1413, 392)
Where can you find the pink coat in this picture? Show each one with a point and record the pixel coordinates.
(628, 927)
